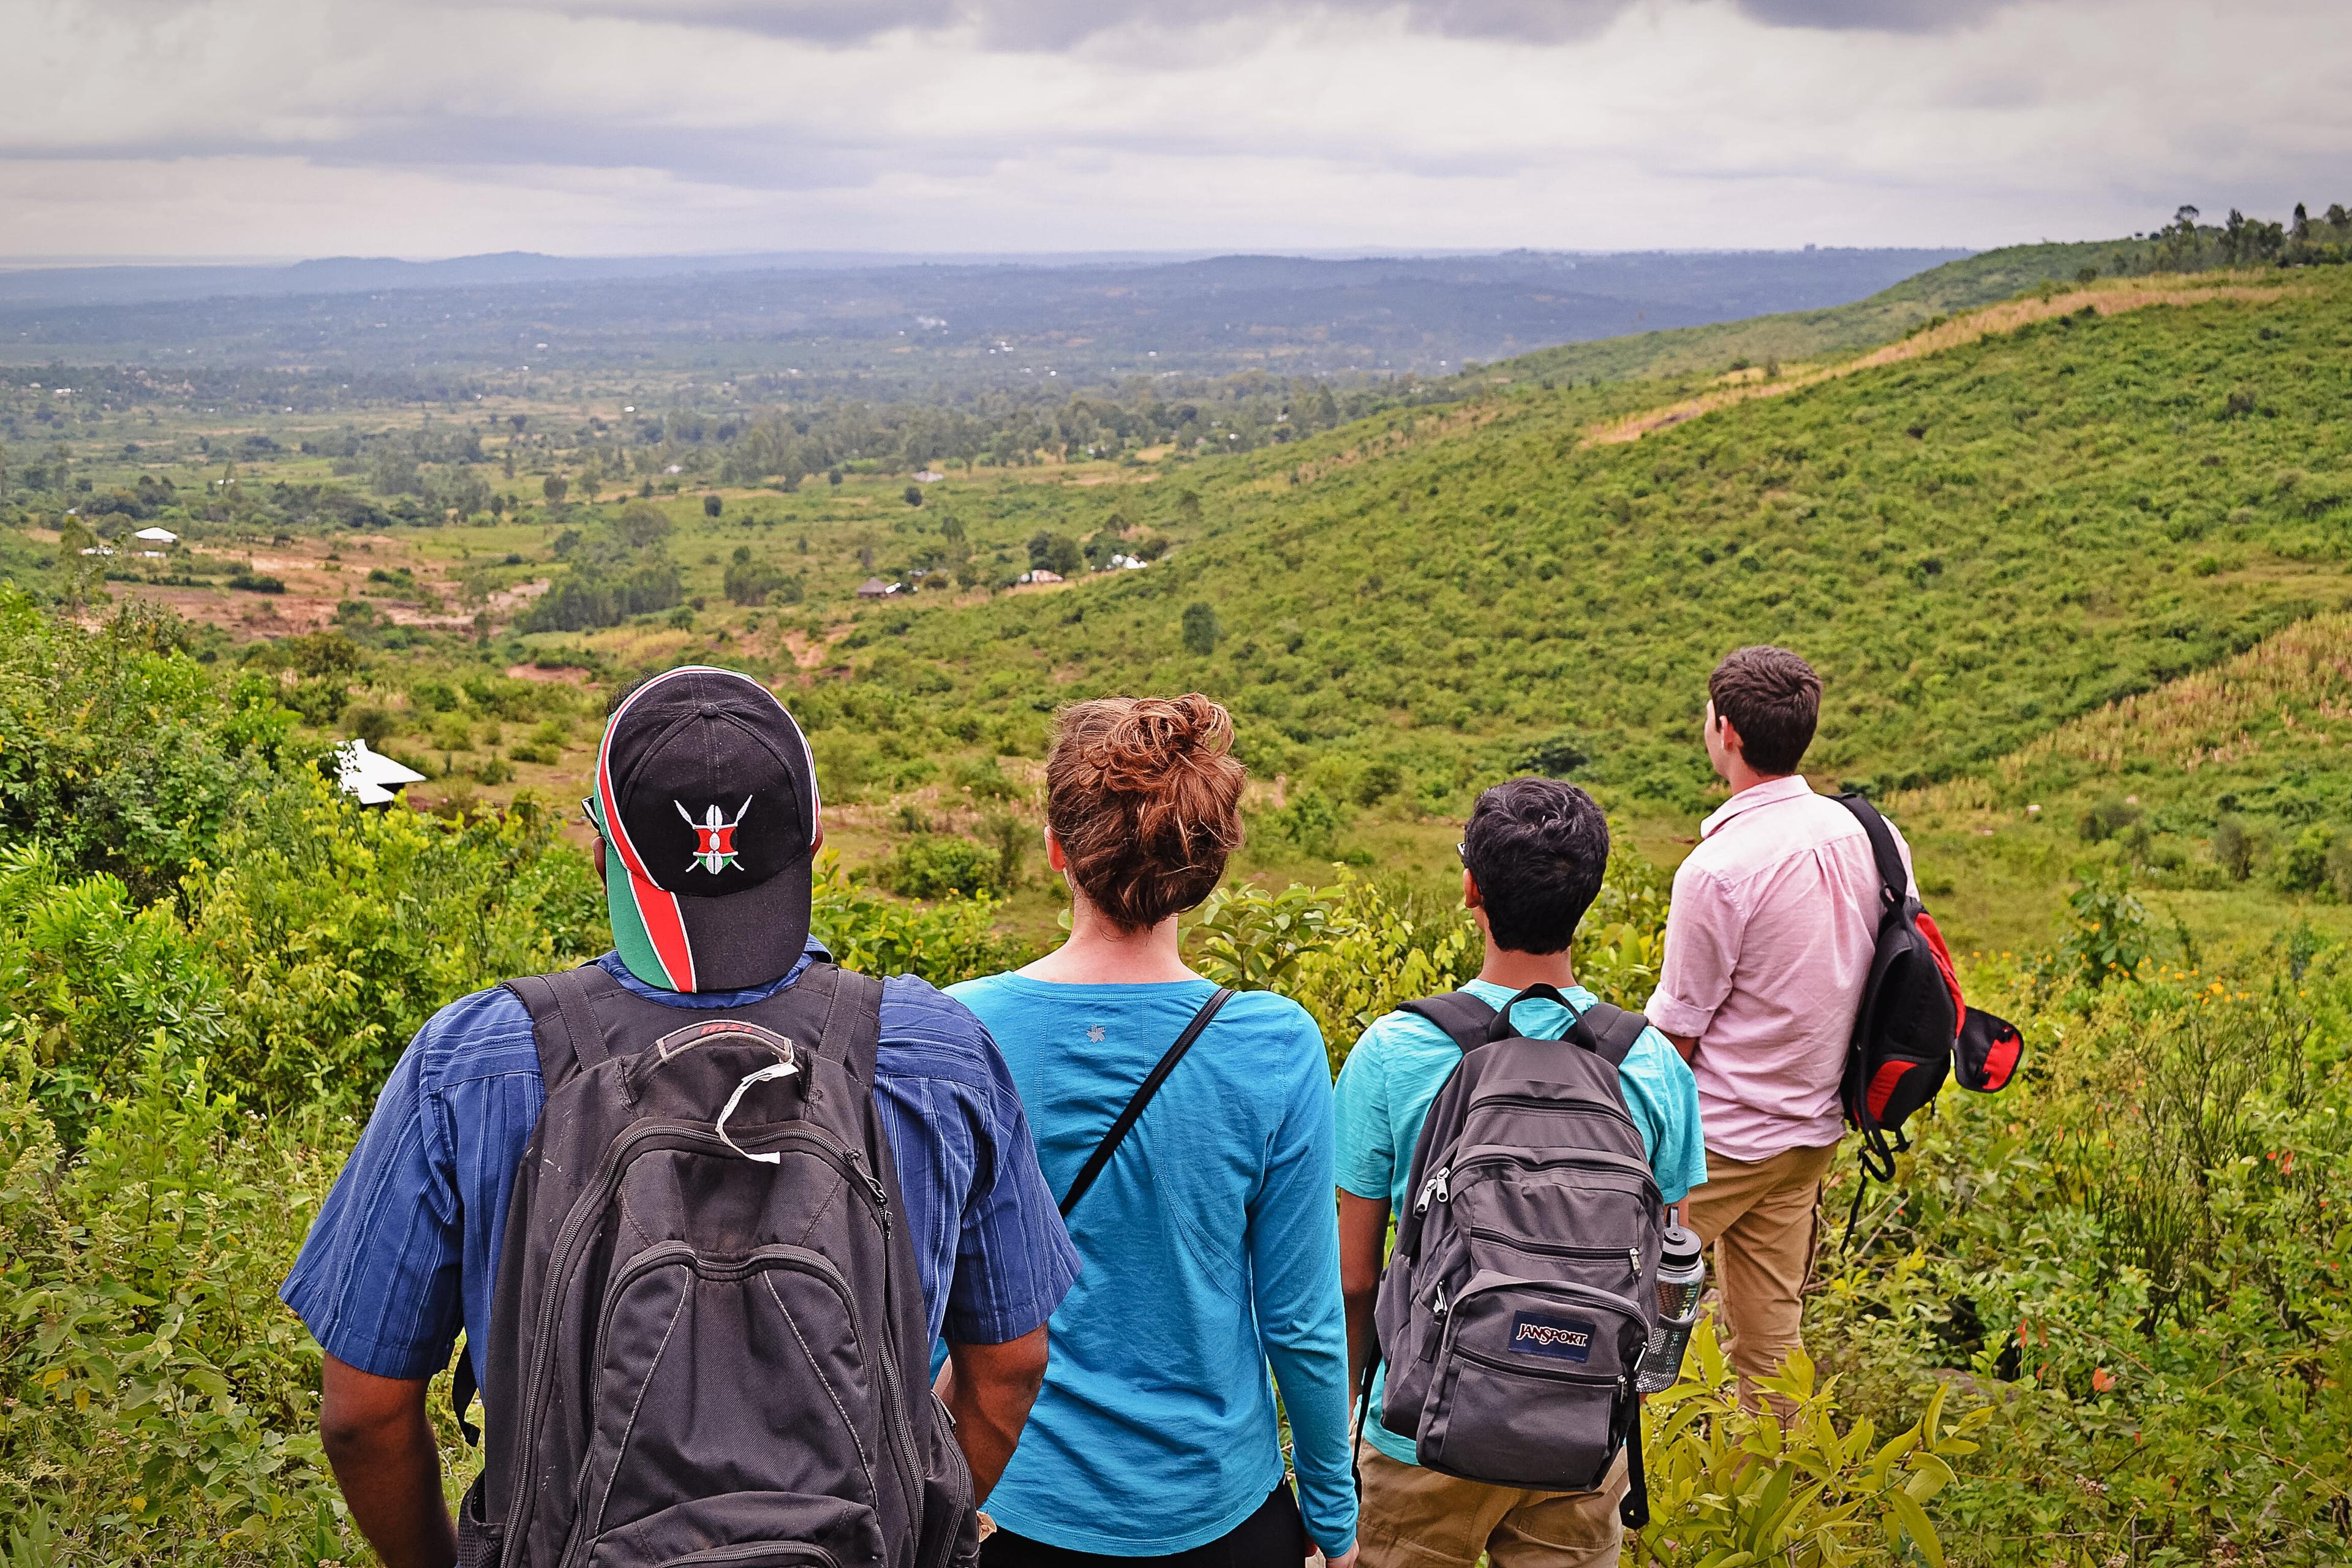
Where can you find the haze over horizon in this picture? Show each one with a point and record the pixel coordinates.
(264, 130)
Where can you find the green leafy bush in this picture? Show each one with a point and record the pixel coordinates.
(942, 942)
(2138, 1258)
(942, 865)
(118, 749)
(1780, 1483)
(339, 931)
(160, 1404)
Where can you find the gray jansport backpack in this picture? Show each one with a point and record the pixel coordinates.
(707, 1338)
(1521, 1296)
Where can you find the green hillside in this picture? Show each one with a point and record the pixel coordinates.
(1816, 334)
(1974, 547)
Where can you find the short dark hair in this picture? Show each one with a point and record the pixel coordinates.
(1537, 848)
(1773, 698)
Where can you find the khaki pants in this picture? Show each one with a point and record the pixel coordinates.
(1762, 1218)
(1415, 1518)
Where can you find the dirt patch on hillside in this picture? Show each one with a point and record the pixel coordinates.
(2113, 300)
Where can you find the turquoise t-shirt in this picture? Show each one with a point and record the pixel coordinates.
(1210, 1250)
(1404, 1059)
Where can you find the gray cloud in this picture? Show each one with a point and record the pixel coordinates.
(835, 21)
(1873, 16)
(636, 125)
(1053, 24)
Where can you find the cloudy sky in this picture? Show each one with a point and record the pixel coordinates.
(287, 128)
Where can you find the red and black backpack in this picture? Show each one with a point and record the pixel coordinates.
(1913, 1029)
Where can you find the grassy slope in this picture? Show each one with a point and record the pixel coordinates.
(1800, 335)
(2264, 738)
(1975, 546)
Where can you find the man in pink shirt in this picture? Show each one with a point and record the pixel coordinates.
(1768, 941)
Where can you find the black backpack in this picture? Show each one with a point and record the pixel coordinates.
(1913, 1027)
(1523, 1291)
(707, 1341)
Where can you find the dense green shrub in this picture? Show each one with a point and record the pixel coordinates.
(160, 1405)
(943, 942)
(118, 749)
(942, 865)
(2138, 1256)
(339, 930)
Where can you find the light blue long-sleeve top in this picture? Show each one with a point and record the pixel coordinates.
(1211, 1249)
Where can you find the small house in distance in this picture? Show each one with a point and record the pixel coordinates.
(156, 536)
(1041, 576)
(874, 588)
(369, 776)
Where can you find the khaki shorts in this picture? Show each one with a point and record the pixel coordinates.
(1415, 1517)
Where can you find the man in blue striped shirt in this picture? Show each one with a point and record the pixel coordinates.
(405, 1251)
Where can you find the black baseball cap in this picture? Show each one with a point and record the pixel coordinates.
(707, 799)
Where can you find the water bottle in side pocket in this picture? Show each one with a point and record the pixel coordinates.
(1682, 1280)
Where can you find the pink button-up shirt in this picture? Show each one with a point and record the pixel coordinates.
(1768, 943)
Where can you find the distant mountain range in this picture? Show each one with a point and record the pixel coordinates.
(145, 283)
(902, 322)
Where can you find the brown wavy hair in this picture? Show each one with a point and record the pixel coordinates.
(1144, 793)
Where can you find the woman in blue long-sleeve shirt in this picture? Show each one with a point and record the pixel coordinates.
(1209, 1241)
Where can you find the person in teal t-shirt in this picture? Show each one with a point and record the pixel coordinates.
(1532, 860)
(1209, 1246)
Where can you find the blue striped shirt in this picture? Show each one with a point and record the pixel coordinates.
(405, 1248)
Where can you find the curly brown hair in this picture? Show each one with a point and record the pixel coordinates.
(1144, 793)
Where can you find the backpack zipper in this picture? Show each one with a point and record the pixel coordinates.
(750, 1548)
(1593, 1160)
(1440, 1186)
(624, 1149)
(1632, 1255)
(1588, 1379)
(1564, 1106)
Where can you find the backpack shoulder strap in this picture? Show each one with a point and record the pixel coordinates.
(1895, 882)
(853, 1017)
(1143, 1097)
(1464, 1018)
(857, 1014)
(1607, 1032)
(562, 1011)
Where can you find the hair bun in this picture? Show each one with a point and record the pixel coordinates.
(1158, 735)
(1144, 795)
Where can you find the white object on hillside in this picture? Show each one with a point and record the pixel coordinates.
(157, 536)
(929, 475)
(369, 776)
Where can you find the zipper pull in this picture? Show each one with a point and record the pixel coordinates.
(1428, 1191)
(874, 1186)
(1634, 1257)
(1437, 1304)
(1445, 1185)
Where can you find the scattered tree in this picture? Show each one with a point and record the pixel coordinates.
(1201, 629)
(642, 524)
